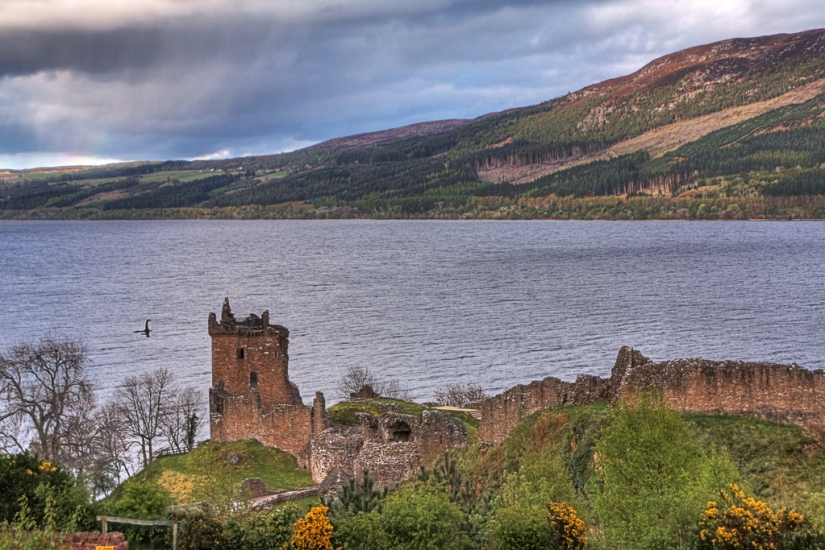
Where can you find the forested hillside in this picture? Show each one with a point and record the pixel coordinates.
(730, 130)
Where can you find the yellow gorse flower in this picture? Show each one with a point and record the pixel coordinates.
(313, 531)
(569, 528)
(745, 522)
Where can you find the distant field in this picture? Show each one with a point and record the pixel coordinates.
(180, 175)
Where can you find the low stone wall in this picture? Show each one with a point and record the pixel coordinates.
(90, 541)
(283, 496)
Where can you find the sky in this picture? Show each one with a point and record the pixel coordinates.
(95, 81)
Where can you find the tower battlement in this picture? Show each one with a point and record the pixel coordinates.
(251, 326)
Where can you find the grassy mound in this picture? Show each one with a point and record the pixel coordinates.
(182, 475)
(778, 463)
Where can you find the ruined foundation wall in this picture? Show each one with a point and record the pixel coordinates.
(784, 393)
(392, 447)
(501, 413)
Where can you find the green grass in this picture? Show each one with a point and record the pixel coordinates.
(778, 462)
(398, 405)
(278, 469)
(343, 414)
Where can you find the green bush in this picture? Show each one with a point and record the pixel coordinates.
(421, 517)
(199, 530)
(654, 479)
(24, 475)
(268, 530)
(521, 528)
(142, 501)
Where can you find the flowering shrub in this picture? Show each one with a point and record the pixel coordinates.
(313, 531)
(568, 529)
(744, 522)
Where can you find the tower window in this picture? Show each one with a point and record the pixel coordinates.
(240, 353)
(253, 379)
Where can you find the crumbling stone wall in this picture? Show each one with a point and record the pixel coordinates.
(251, 395)
(391, 447)
(785, 393)
(287, 427)
(501, 413)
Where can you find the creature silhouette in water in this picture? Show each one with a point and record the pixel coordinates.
(146, 330)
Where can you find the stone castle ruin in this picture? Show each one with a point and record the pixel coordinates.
(252, 398)
(783, 393)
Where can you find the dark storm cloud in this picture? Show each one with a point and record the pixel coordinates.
(174, 78)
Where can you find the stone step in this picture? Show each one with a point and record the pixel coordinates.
(475, 413)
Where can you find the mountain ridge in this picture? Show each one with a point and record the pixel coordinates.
(738, 118)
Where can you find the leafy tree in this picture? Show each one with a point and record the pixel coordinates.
(421, 517)
(653, 478)
(357, 531)
(24, 477)
(141, 501)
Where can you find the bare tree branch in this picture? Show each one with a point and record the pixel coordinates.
(180, 424)
(142, 403)
(45, 393)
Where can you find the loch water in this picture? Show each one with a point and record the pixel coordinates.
(431, 303)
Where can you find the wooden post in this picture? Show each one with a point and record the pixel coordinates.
(175, 536)
(103, 521)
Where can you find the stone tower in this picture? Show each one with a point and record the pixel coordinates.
(251, 395)
(251, 357)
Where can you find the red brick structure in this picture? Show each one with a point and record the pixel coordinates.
(785, 393)
(251, 395)
(90, 541)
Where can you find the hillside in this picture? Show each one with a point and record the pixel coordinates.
(733, 129)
